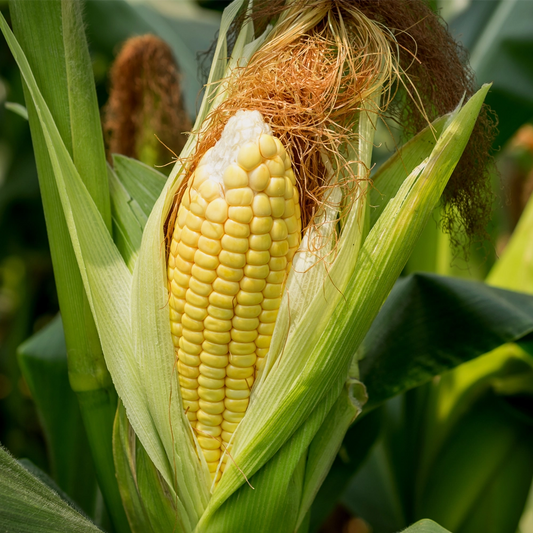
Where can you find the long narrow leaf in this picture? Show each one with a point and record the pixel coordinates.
(29, 506)
(43, 362)
(106, 277)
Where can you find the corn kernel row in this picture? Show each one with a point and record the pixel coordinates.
(231, 251)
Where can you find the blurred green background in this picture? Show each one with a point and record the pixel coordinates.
(497, 35)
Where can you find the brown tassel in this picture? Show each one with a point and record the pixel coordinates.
(145, 101)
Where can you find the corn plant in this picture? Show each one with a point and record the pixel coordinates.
(176, 446)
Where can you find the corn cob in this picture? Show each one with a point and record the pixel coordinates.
(236, 232)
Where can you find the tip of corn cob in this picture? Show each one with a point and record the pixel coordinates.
(242, 128)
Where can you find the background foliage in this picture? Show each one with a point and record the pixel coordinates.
(404, 457)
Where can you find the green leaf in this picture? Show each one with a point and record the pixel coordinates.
(88, 151)
(19, 109)
(409, 342)
(514, 269)
(49, 482)
(493, 448)
(128, 220)
(354, 449)
(108, 289)
(65, 78)
(43, 362)
(497, 35)
(144, 184)
(29, 506)
(425, 526)
(134, 189)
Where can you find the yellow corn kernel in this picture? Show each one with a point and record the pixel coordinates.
(259, 178)
(217, 211)
(236, 394)
(276, 187)
(217, 337)
(234, 244)
(207, 443)
(194, 336)
(220, 312)
(212, 455)
(211, 372)
(214, 361)
(260, 225)
(253, 257)
(267, 146)
(205, 260)
(211, 395)
(252, 284)
(232, 259)
(212, 230)
(209, 190)
(236, 229)
(204, 429)
(242, 214)
(249, 156)
(249, 298)
(243, 336)
(213, 408)
(240, 197)
(215, 324)
(235, 177)
(277, 204)
(245, 324)
(208, 419)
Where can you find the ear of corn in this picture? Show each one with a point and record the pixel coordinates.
(131, 315)
(236, 232)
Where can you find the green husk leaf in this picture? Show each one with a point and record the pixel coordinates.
(153, 346)
(328, 441)
(30, 506)
(294, 386)
(158, 498)
(124, 453)
(274, 501)
(143, 183)
(306, 302)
